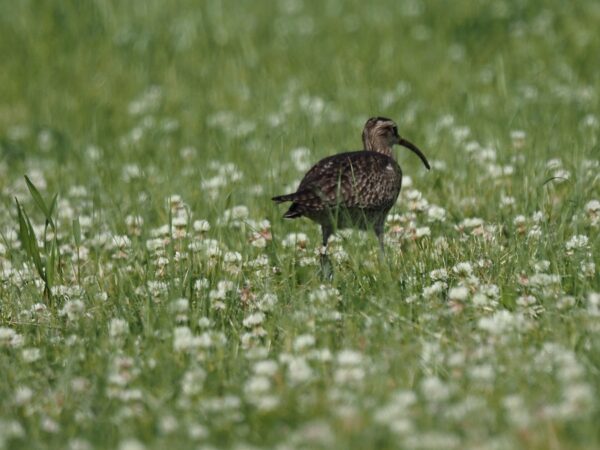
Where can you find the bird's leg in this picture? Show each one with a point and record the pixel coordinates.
(326, 268)
(379, 233)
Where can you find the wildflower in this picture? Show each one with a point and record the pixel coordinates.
(303, 341)
(72, 309)
(257, 385)
(463, 269)
(501, 322)
(349, 358)
(588, 268)
(434, 389)
(267, 302)
(422, 232)
(233, 258)
(299, 371)
(23, 395)
(181, 305)
(518, 138)
(200, 284)
(299, 240)
(459, 293)
(183, 339)
(201, 226)
(471, 222)
(131, 444)
(436, 288)
(577, 242)
(506, 200)
(204, 322)
(254, 320)
(436, 213)
(266, 368)
(118, 327)
(10, 338)
(31, 354)
(301, 158)
(134, 224)
(438, 274)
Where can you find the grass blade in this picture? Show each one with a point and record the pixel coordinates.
(37, 197)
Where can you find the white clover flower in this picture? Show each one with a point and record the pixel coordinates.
(471, 222)
(577, 242)
(31, 354)
(592, 207)
(299, 371)
(257, 385)
(201, 226)
(179, 222)
(225, 285)
(267, 302)
(349, 358)
(181, 305)
(132, 221)
(131, 444)
(254, 320)
(118, 327)
(239, 212)
(518, 138)
(258, 241)
(204, 322)
(303, 341)
(266, 368)
(23, 394)
(295, 240)
(422, 232)
(588, 268)
(434, 389)
(463, 269)
(436, 288)
(200, 284)
(72, 309)
(10, 338)
(438, 274)
(436, 213)
(183, 339)
(554, 163)
(519, 220)
(459, 293)
(501, 322)
(348, 374)
(593, 307)
(120, 242)
(232, 258)
(301, 158)
(591, 121)
(217, 294)
(506, 200)
(544, 279)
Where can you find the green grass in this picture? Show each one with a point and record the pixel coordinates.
(118, 106)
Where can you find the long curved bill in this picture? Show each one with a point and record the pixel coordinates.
(404, 143)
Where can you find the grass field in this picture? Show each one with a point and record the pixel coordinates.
(170, 306)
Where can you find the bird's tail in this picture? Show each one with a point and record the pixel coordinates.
(284, 198)
(294, 210)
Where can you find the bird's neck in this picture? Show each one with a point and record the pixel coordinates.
(378, 145)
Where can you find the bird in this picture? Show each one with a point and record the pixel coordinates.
(353, 189)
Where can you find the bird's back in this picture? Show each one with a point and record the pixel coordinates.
(363, 181)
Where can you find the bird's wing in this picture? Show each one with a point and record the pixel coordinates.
(356, 179)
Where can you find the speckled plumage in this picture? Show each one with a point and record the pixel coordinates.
(353, 189)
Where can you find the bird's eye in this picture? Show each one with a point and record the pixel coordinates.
(395, 129)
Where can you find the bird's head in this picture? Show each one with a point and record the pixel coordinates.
(381, 134)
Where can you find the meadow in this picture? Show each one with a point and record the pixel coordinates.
(152, 297)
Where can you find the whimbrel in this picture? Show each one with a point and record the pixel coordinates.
(353, 189)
